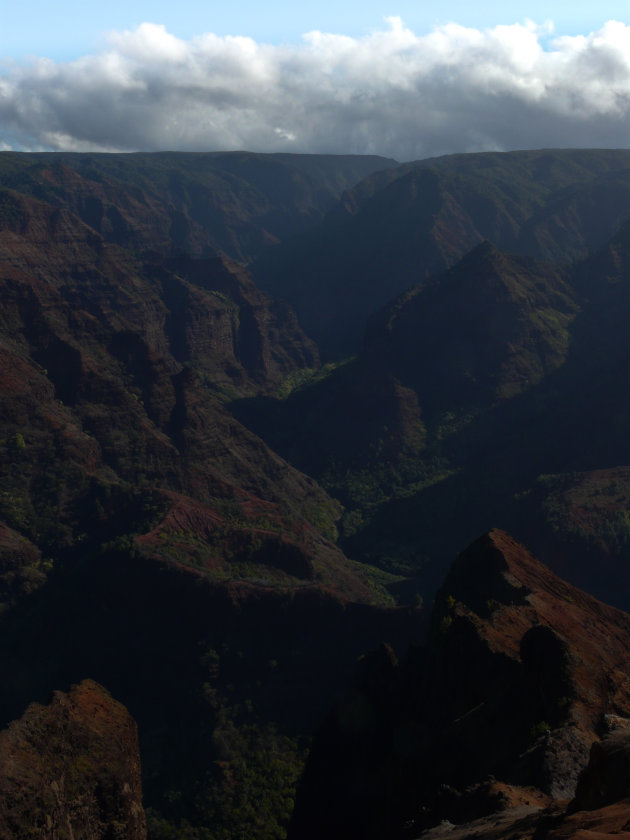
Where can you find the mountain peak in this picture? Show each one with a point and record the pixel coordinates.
(520, 674)
(493, 567)
(72, 766)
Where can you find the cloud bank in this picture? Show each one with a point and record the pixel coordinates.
(392, 93)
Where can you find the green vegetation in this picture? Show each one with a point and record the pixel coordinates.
(445, 624)
(588, 510)
(16, 444)
(380, 582)
(248, 794)
(297, 380)
(538, 730)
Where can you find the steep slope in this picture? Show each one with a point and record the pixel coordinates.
(236, 203)
(147, 538)
(112, 381)
(521, 675)
(491, 327)
(72, 769)
(469, 388)
(226, 680)
(570, 421)
(401, 226)
(438, 390)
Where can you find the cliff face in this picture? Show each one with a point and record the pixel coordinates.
(494, 326)
(114, 376)
(147, 538)
(521, 675)
(398, 227)
(206, 310)
(72, 770)
(497, 389)
(234, 203)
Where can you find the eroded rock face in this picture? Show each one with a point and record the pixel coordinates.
(114, 372)
(606, 779)
(499, 712)
(71, 770)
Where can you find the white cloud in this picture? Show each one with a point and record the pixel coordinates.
(392, 92)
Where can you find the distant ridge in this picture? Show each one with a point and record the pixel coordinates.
(192, 202)
(398, 227)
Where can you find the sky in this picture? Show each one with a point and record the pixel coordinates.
(401, 79)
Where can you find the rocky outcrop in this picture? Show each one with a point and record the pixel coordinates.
(519, 670)
(606, 779)
(192, 658)
(72, 770)
(601, 808)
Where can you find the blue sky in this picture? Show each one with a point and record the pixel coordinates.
(67, 29)
(407, 81)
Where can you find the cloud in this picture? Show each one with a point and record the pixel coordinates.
(392, 93)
